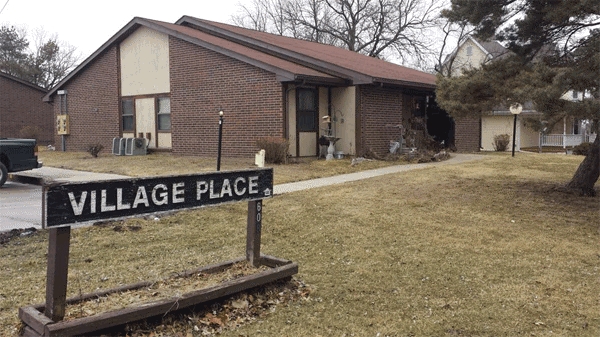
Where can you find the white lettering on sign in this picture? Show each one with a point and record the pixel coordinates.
(253, 185)
(212, 194)
(163, 195)
(119, 198)
(239, 188)
(236, 188)
(201, 188)
(177, 191)
(77, 206)
(120, 204)
(93, 202)
(141, 197)
(226, 188)
(103, 206)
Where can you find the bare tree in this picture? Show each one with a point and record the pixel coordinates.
(51, 59)
(378, 28)
(43, 62)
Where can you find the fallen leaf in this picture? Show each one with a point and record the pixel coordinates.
(239, 304)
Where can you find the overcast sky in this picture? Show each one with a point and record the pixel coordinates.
(86, 24)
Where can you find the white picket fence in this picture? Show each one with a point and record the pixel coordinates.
(566, 140)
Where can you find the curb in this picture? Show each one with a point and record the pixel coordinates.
(17, 178)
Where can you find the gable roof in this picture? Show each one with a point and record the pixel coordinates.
(361, 69)
(492, 49)
(23, 82)
(291, 60)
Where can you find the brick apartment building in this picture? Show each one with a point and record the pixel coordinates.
(22, 111)
(167, 83)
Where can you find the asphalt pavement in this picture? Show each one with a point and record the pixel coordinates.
(21, 196)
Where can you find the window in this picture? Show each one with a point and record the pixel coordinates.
(306, 110)
(127, 114)
(164, 113)
(575, 94)
(469, 50)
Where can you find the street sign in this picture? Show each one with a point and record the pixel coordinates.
(72, 203)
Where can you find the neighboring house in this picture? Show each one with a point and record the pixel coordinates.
(22, 112)
(472, 53)
(167, 83)
(572, 131)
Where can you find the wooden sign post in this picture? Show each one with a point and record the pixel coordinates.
(68, 204)
(254, 231)
(57, 272)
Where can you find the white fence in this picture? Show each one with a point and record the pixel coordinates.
(566, 140)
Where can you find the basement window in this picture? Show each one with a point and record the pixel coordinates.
(164, 114)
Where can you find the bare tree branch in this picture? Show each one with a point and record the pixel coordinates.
(378, 28)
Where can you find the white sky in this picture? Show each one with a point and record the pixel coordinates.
(87, 24)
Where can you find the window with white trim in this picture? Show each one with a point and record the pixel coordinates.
(164, 113)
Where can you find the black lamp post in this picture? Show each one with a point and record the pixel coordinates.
(220, 139)
(515, 109)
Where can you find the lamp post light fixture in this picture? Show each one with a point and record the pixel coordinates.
(220, 139)
(515, 109)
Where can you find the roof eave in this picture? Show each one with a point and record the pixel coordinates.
(23, 82)
(330, 81)
(407, 84)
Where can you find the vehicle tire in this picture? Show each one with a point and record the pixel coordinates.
(3, 174)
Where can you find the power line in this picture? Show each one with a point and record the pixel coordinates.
(6, 3)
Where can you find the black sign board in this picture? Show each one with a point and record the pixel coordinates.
(72, 203)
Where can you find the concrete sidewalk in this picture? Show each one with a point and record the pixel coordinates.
(343, 178)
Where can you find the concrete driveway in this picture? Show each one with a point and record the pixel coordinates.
(20, 206)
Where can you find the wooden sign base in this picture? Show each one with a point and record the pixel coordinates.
(46, 320)
(38, 324)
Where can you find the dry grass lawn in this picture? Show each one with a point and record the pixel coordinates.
(163, 163)
(486, 248)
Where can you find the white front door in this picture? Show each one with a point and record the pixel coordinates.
(145, 120)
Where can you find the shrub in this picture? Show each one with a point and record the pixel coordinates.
(94, 149)
(501, 142)
(276, 149)
(582, 149)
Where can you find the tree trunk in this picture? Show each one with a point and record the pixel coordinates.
(588, 171)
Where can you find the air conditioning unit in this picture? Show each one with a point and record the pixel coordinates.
(118, 147)
(135, 146)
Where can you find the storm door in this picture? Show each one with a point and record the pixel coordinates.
(307, 124)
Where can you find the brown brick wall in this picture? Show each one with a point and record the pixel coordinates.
(93, 104)
(377, 108)
(467, 133)
(202, 82)
(22, 106)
